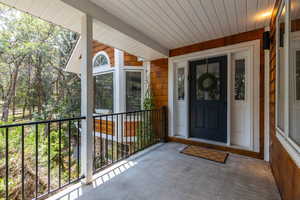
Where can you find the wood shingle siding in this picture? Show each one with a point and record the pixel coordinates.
(286, 172)
(97, 47)
(159, 82)
(131, 60)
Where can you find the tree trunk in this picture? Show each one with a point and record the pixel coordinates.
(10, 94)
(14, 107)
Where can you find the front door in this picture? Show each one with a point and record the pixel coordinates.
(208, 99)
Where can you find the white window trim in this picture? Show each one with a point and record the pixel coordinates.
(104, 54)
(142, 71)
(253, 48)
(176, 85)
(283, 135)
(278, 129)
(114, 88)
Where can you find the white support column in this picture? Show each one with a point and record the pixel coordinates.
(119, 80)
(87, 100)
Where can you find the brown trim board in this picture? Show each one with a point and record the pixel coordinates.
(217, 147)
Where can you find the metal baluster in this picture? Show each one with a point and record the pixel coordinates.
(112, 138)
(106, 139)
(78, 149)
(23, 172)
(101, 144)
(6, 164)
(49, 156)
(122, 134)
(126, 132)
(36, 160)
(117, 137)
(59, 154)
(134, 132)
(94, 153)
(69, 151)
(130, 138)
(144, 129)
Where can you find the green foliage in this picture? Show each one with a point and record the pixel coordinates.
(30, 152)
(37, 52)
(148, 100)
(33, 81)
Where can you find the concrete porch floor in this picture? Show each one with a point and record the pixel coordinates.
(164, 173)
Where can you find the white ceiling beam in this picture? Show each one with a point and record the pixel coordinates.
(107, 18)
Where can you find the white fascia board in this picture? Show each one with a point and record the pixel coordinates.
(107, 18)
(74, 62)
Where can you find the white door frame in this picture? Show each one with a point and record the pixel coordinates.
(253, 47)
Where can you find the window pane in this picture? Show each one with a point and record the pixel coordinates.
(208, 81)
(297, 76)
(133, 91)
(294, 77)
(104, 93)
(239, 83)
(180, 83)
(100, 60)
(281, 72)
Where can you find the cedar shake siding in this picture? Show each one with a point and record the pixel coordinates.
(97, 47)
(129, 59)
(286, 173)
(159, 82)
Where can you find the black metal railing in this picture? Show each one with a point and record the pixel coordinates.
(39, 157)
(120, 135)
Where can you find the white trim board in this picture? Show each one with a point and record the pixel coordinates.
(253, 48)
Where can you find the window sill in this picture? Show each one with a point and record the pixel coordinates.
(295, 155)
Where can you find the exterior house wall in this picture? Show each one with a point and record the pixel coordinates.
(129, 59)
(159, 81)
(286, 172)
(159, 78)
(123, 60)
(97, 47)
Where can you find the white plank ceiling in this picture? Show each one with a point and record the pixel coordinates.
(172, 23)
(176, 23)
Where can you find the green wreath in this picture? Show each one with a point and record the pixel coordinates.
(207, 82)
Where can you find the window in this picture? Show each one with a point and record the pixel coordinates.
(104, 91)
(239, 82)
(180, 83)
(297, 75)
(288, 75)
(294, 74)
(208, 81)
(101, 59)
(281, 49)
(133, 91)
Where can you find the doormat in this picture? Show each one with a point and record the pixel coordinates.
(209, 154)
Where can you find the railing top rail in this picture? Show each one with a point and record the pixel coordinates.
(123, 113)
(41, 122)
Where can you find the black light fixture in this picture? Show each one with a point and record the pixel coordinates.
(266, 40)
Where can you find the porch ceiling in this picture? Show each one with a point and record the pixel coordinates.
(166, 24)
(177, 23)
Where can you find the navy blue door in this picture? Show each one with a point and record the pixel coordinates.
(208, 99)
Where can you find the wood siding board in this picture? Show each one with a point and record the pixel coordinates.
(285, 171)
(159, 81)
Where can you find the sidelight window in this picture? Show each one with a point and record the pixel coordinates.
(239, 82)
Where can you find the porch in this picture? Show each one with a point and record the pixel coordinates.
(162, 172)
(212, 65)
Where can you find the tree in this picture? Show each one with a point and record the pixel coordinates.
(33, 55)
